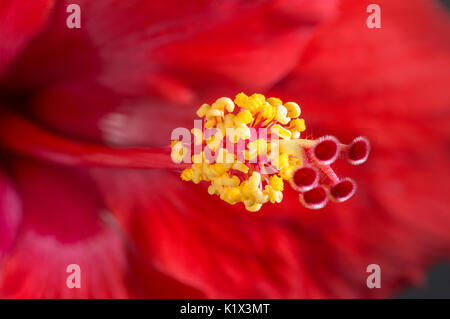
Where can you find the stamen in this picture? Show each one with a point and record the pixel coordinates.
(265, 159)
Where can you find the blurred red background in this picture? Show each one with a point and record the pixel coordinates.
(137, 69)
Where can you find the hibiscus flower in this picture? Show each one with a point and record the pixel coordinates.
(86, 115)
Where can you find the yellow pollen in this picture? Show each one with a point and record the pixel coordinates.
(281, 115)
(297, 125)
(187, 174)
(224, 103)
(198, 136)
(245, 117)
(240, 167)
(274, 101)
(293, 109)
(258, 147)
(210, 123)
(276, 182)
(282, 132)
(268, 113)
(201, 112)
(273, 195)
(243, 177)
(178, 152)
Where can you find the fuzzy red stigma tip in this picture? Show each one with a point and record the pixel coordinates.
(304, 178)
(358, 150)
(343, 190)
(315, 198)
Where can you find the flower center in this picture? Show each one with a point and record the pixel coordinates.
(248, 147)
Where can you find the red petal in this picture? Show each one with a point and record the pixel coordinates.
(284, 251)
(169, 50)
(397, 95)
(398, 217)
(10, 214)
(65, 223)
(223, 253)
(20, 21)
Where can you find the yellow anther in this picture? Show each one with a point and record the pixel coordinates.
(231, 181)
(274, 101)
(240, 167)
(254, 181)
(250, 155)
(178, 152)
(221, 128)
(293, 108)
(241, 99)
(199, 158)
(197, 177)
(245, 190)
(219, 169)
(213, 113)
(276, 183)
(225, 157)
(273, 152)
(281, 115)
(259, 146)
(245, 117)
(201, 112)
(231, 195)
(215, 141)
(210, 123)
(187, 174)
(280, 160)
(253, 208)
(267, 113)
(273, 195)
(295, 161)
(212, 190)
(286, 172)
(258, 98)
(224, 103)
(241, 132)
(198, 136)
(297, 125)
(252, 103)
(228, 121)
(259, 196)
(210, 173)
(281, 131)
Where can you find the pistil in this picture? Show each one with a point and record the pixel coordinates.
(255, 174)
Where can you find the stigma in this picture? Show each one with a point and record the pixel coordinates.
(248, 148)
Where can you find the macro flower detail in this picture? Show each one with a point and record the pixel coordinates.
(247, 152)
(86, 176)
